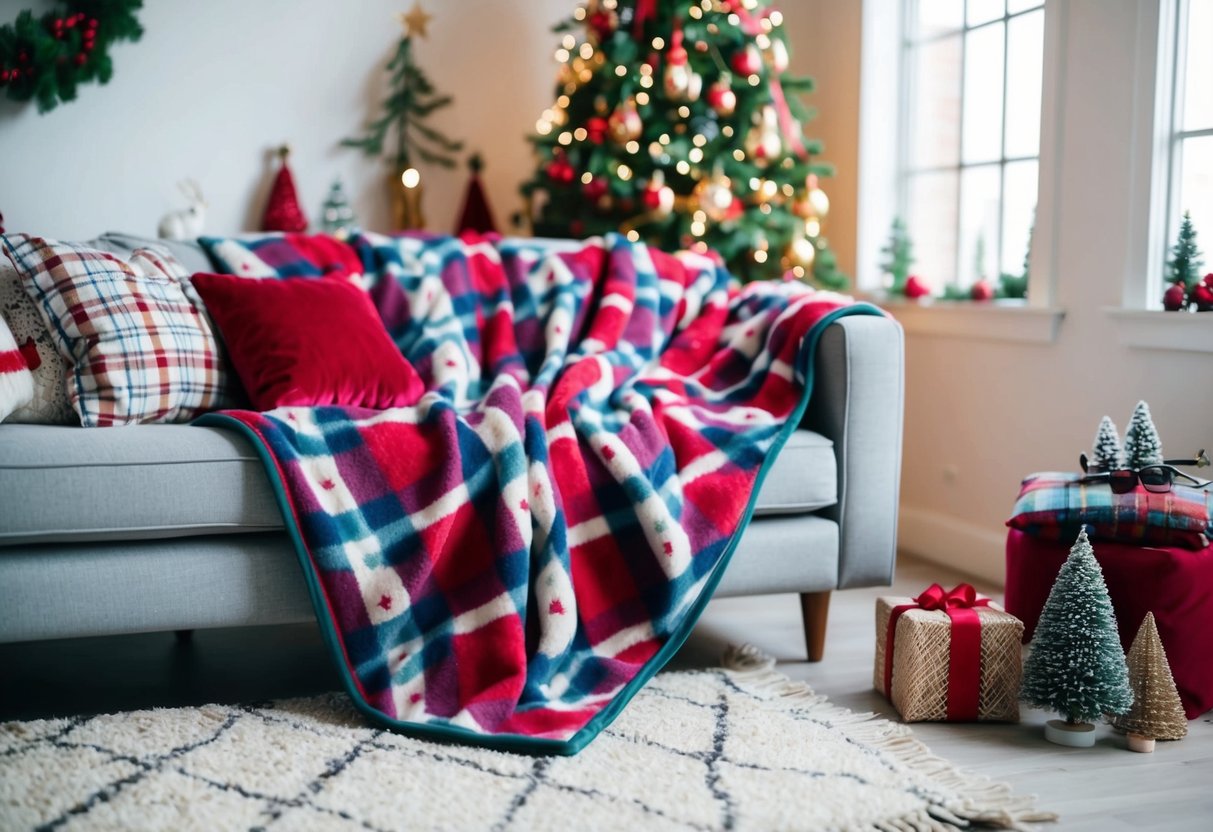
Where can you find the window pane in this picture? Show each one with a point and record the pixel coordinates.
(979, 195)
(1025, 63)
(1196, 192)
(1018, 213)
(935, 120)
(1198, 98)
(983, 11)
(1014, 6)
(935, 16)
(983, 94)
(931, 221)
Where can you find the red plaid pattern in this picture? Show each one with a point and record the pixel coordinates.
(140, 350)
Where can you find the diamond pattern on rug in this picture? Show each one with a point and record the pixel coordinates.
(729, 749)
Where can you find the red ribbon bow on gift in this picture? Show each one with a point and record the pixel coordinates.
(964, 658)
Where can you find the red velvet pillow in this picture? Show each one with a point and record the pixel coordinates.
(303, 341)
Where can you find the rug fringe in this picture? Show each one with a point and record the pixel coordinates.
(983, 800)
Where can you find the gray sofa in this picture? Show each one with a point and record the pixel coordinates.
(175, 527)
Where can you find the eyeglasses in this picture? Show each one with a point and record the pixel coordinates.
(1199, 460)
(1157, 479)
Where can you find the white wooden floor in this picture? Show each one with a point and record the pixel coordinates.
(1105, 788)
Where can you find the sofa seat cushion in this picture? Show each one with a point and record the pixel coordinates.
(63, 483)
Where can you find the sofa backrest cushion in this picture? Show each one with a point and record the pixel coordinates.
(140, 349)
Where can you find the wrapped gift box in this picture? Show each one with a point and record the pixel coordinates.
(1173, 582)
(948, 656)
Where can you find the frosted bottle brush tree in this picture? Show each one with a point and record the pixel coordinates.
(1076, 666)
(676, 123)
(1142, 444)
(1106, 451)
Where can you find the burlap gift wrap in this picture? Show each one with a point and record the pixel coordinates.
(955, 657)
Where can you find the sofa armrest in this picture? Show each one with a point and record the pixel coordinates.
(857, 402)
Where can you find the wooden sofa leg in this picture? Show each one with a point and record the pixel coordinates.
(815, 608)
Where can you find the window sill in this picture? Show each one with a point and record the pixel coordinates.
(1152, 329)
(984, 321)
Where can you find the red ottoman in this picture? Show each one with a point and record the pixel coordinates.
(1175, 583)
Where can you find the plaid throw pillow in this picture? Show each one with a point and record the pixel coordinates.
(1054, 506)
(140, 351)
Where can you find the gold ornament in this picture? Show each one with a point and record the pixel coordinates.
(821, 202)
(762, 142)
(714, 196)
(625, 124)
(802, 253)
(777, 55)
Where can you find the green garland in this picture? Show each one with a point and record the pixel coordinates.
(47, 58)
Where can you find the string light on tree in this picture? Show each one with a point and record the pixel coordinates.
(674, 109)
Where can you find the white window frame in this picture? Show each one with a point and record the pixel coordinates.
(906, 173)
(882, 92)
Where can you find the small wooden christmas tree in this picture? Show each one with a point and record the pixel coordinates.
(1157, 713)
(1142, 445)
(1105, 453)
(1077, 666)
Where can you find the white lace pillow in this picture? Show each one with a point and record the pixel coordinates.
(50, 404)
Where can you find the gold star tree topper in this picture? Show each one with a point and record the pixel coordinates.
(415, 21)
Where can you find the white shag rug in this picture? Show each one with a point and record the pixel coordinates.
(737, 748)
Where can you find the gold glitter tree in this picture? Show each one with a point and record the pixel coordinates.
(1157, 712)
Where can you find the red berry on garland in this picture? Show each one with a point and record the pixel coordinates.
(80, 59)
(747, 61)
(1175, 298)
(1202, 297)
(596, 129)
(981, 290)
(916, 287)
(577, 227)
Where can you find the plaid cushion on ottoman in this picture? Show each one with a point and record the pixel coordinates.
(140, 350)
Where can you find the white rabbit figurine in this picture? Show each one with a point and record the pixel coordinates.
(186, 223)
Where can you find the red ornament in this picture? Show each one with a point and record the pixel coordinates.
(1175, 298)
(596, 129)
(916, 287)
(602, 23)
(1208, 280)
(283, 212)
(577, 228)
(721, 97)
(595, 189)
(1202, 298)
(981, 290)
(747, 61)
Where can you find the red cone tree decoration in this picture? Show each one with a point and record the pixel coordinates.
(283, 212)
(476, 214)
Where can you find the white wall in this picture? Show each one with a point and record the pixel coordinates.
(212, 87)
(981, 414)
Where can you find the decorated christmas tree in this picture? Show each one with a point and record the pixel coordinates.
(1142, 445)
(1105, 452)
(1076, 666)
(676, 123)
(1183, 269)
(1157, 713)
(402, 126)
(899, 256)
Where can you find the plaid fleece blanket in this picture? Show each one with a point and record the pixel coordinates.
(507, 562)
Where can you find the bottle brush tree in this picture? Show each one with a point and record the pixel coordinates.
(899, 256)
(1157, 712)
(1142, 445)
(1076, 666)
(1105, 452)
